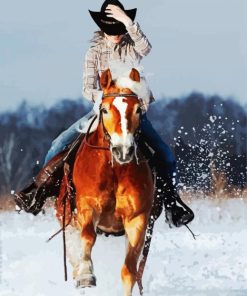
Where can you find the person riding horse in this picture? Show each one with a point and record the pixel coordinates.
(120, 39)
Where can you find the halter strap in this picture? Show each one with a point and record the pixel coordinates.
(118, 95)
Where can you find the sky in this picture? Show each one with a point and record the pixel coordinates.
(197, 45)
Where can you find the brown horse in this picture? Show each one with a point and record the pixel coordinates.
(114, 192)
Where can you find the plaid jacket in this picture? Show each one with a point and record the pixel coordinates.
(102, 53)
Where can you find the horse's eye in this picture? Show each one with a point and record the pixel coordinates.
(138, 110)
(103, 110)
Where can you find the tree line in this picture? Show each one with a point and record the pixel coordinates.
(201, 130)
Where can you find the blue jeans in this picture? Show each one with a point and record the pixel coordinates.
(67, 137)
(165, 160)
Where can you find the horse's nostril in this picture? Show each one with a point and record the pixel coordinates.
(116, 150)
(131, 150)
(123, 153)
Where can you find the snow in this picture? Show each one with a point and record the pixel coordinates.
(212, 118)
(215, 264)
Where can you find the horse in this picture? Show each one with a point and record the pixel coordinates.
(114, 190)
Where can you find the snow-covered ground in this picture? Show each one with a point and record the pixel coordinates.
(214, 264)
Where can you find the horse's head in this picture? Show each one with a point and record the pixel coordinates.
(120, 113)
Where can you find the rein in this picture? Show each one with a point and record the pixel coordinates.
(88, 132)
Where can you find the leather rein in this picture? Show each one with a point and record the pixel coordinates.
(107, 136)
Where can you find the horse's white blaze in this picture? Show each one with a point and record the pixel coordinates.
(122, 108)
(119, 140)
(126, 139)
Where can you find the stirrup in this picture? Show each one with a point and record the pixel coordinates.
(176, 211)
(178, 217)
(24, 198)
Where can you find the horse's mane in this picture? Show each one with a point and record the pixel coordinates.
(121, 76)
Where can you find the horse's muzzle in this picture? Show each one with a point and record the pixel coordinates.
(123, 154)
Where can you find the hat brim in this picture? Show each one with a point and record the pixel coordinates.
(109, 25)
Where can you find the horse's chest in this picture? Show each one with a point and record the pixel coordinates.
(93, 176)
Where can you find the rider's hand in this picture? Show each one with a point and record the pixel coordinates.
(118, 14)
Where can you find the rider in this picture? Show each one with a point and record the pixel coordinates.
(119, 39)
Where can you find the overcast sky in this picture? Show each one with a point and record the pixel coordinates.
(198, 45)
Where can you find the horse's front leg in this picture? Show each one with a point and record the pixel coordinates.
(135, 229)
(84, 274)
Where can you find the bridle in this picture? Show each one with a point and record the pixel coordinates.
(106, 134)
(118, 95)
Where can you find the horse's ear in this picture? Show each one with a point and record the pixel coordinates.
(134, 75)
(105, 79)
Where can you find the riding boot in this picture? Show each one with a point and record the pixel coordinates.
(176, 211)
(46, 184)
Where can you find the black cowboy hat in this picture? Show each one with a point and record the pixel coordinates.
(108, 24)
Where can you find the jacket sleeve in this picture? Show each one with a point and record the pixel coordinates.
(142, 45)
(90, 76)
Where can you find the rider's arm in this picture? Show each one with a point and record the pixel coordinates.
(142, 45)
(90, 76)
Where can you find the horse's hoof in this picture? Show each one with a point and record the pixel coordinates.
(87, 281)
